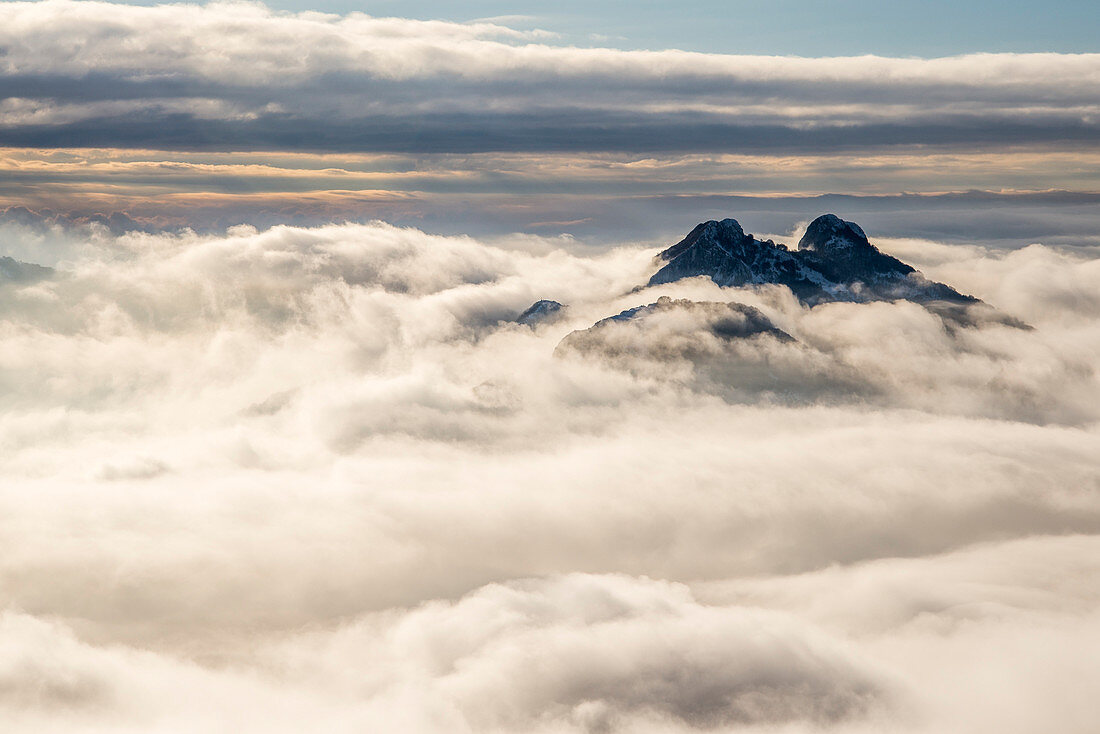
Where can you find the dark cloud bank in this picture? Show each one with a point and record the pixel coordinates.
(234, 76)
(539, 131)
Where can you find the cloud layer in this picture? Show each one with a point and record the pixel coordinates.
(236, 76)
(316, 478)
(209, 116)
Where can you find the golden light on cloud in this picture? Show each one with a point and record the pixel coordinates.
(74, 179)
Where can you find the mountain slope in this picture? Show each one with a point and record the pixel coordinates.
(834, 262)
(673, 328)
(12, 270)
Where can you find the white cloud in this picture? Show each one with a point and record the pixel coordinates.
(154, 76)
(313, 478)
(240, 42)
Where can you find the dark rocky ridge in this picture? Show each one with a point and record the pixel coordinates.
(834, 262)
(541, 312)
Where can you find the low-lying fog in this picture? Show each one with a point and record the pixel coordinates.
(317, 480)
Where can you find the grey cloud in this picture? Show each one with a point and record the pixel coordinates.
(360, 83)
(555, 130)
(595, 219)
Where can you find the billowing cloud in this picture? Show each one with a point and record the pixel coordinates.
(237, 76)
(316, 478)
(209, 116)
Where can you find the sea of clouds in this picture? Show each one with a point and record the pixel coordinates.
(318, 480)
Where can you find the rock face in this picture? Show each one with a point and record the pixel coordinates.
(834, 262)
(540, 312)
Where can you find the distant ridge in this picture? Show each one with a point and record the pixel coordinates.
(20, 272)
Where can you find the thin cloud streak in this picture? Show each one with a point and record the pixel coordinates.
(604, 198)
(610, 174)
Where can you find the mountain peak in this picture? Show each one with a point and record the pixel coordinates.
(834, 262)
(844, 254)
(724, 234)
(729, 225)
(540, 312)
(829, 233)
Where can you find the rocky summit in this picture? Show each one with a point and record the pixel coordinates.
(541, 312)
(834, 262)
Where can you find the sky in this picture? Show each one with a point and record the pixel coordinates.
(795, 27)
(215, 115)
(280, 457)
